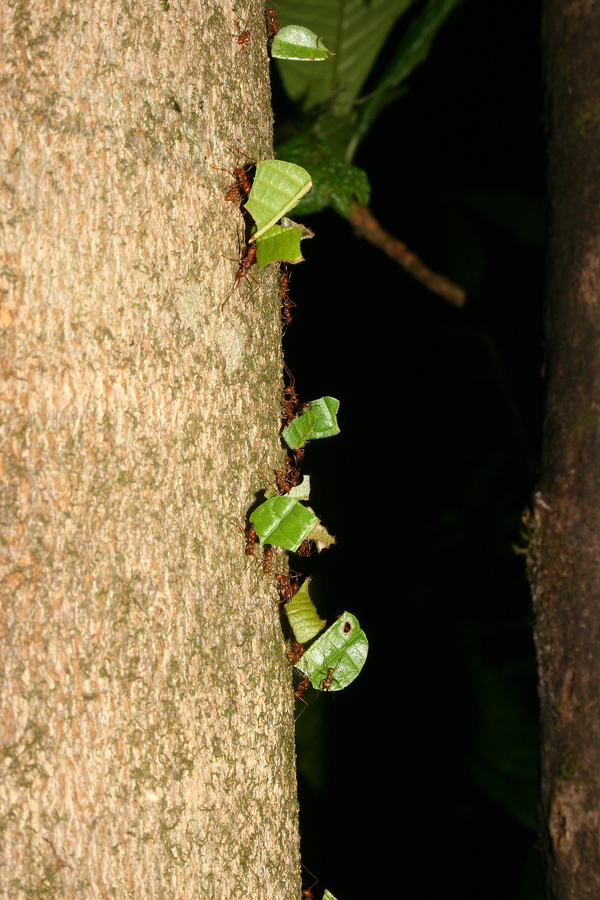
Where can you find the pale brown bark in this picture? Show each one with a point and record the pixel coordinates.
(565, 542)
(146, 707)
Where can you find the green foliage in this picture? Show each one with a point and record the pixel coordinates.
(338, 118)
(355, 31)
(412, 50)
(335, 183)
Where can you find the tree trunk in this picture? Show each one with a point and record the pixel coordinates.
(565, 544)
(146, 712)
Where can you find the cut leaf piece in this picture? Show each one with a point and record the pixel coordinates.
(324, 411)
(317, 421)
(328, 896)
(321, 537)
(299, 430)
(343, 648)
(296, 42)
(302, 490)
(280, 243)
(283, 521)
(302, 615)
(276, 189)
(305, 231)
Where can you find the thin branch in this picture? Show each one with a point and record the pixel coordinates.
(366, 225)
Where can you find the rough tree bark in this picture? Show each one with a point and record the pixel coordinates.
(146, 714)
(565, 540)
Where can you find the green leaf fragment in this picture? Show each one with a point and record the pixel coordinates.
(299, 430)
(302, 490)
(279, 243)
(283, 521)
(324, 411)
(317, 421)
(296, 42)
(305, 231)
(328, 896)
(343, 648)
(302, 615)
(276, 189)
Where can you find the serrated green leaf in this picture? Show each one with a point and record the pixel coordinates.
(277, 187)
(302, 615)
(328, 896)
(296, 42)
(343, 648)
(412, 51)
(283, 521)
(317, 421)
(335, 183)
(354, 30)
(280, 243)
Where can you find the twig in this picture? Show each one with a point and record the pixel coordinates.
(366, 225)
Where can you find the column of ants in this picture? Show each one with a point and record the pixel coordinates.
(288, 583)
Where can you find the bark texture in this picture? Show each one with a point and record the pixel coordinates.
(146, 720)
(565, 544)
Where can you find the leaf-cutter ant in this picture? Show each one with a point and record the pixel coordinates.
(251, 538)
(287, 478)
(296, 653)
(291, 401)
(272, 23)
(302, 686)
(326, 686)
(284, 296)
(244, 40)
(307, 893)
(306, 548)
(240, 189)
(247, 259)
(287, 589)
(267, 559)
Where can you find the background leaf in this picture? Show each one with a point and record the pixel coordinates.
(412, 51)
(335, 183)
(354, 30)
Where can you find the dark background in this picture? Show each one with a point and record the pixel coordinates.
(420, 778)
